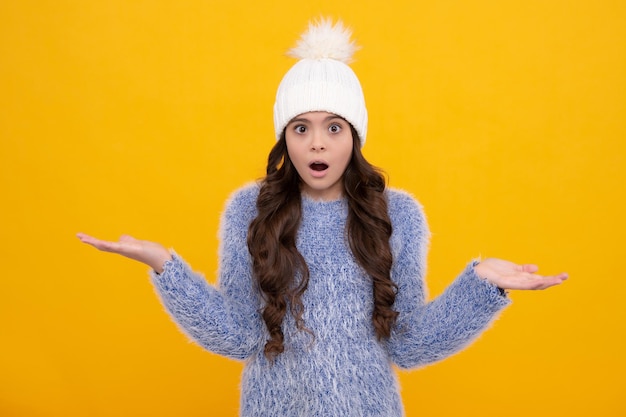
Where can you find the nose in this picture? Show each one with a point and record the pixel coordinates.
(317, 142)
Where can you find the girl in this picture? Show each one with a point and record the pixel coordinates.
(321, 270)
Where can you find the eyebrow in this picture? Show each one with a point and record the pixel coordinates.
(326, 119)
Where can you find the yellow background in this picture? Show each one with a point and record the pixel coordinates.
(505, 118)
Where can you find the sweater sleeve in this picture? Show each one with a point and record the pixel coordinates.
(428, 332)
(223, 319)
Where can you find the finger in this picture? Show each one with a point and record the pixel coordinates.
(102, 245)
(82, 236)
(86, 238)
(128, 239)
(530, 268)
(550, 281)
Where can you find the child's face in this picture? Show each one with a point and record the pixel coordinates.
(320, 147)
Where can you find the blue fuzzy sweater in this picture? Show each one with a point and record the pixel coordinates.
(343, 370)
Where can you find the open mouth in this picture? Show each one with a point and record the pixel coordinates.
(318, 166)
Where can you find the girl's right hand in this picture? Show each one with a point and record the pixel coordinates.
(150, 253)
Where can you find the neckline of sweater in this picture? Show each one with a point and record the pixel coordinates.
(310, 202)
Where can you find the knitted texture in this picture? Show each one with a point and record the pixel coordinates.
(342, 370)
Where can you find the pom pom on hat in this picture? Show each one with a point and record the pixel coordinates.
(321, 80)
(325, 40)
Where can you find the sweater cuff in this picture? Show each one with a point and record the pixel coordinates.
(483, 289)
(473, 264)
(175, 272)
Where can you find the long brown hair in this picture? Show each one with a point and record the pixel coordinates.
(281, 271)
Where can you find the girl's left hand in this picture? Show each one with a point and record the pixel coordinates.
(510, 276)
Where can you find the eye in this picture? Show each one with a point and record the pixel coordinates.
(334, 128)
(299, 129)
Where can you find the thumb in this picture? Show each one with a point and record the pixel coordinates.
(128, 239)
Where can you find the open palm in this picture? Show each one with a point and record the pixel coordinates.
(508, 275)
(150, 253)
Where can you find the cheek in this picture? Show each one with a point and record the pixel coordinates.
(347, 159)
(292, 148)
(347, 153)
(295, 154)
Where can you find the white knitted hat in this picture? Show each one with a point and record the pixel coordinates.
(321, 80)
